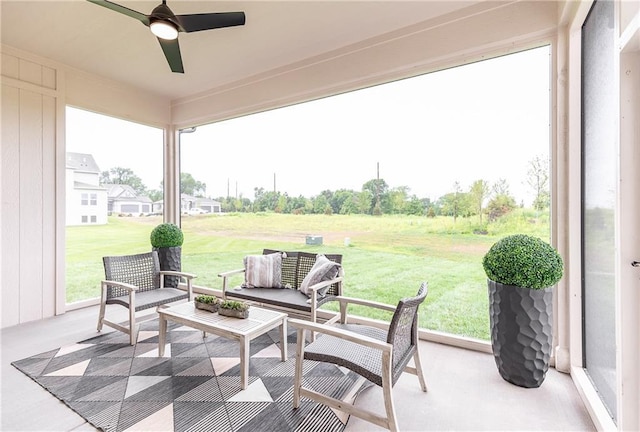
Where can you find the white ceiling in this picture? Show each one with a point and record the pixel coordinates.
(92, 38)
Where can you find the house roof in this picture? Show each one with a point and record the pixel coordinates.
(82, 185)
(200, 200)
(124, 192)
(82, 162)
(120, 191)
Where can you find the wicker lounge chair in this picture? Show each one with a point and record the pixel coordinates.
(137, 283)
(378, 355)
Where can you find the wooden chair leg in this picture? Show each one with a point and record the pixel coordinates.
(416, 361)
(387, 394)
(101, 316)
(103, 305)
(297, 383)
(133, 328)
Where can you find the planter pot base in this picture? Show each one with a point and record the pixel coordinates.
(521, 332)
(206, 306)
(234, 313)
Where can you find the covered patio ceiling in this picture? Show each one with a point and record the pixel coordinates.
(94, 39)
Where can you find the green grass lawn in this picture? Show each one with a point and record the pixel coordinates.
(387, 257)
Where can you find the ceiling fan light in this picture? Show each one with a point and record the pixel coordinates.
(164, 30)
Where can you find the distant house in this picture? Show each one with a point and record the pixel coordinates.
(86, 199)
(188, 202)
(123, 200)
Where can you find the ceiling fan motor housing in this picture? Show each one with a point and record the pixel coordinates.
(163, 13)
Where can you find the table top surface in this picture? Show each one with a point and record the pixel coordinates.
(258, 318)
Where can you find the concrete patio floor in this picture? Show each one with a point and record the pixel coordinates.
(466, 393)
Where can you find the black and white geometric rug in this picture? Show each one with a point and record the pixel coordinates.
(194, 387)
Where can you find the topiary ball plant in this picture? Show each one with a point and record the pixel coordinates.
(524, 261)
(166, 235)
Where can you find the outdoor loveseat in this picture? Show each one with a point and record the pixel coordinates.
(299, 289)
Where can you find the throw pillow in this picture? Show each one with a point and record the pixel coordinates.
(323, 270)
(263, 271)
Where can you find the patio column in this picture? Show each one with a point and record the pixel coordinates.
(171, 207)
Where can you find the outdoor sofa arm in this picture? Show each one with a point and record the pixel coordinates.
(313, 300)
(225, 278)
(314, 288)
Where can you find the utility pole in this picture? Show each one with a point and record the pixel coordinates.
(378, 184)
(274, 182)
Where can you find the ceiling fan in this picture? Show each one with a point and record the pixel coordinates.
(166, 25)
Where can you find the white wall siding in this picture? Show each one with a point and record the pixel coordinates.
(32, 174)
(29, 131)
(10, 214)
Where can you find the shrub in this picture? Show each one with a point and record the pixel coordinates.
(166, 235)
(524, 261)
(207, 299)
(233, 304)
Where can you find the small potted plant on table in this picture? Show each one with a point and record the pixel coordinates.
(233, 308)
(207, 302)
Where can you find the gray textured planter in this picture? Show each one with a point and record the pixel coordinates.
(170, 259)
(521, 332)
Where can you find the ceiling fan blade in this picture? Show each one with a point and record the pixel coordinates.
(210, 21)
(171, 50)
(144, 19)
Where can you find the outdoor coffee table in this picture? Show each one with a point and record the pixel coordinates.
(244, 330)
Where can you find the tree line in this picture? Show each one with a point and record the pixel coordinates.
(375, 197)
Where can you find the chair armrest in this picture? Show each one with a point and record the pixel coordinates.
(188, 276)
(340, 333)
(352, 300)
(230, 273)
(225, 277)
(323, 284)
(123, 285)
(176, 273)
(346, 301)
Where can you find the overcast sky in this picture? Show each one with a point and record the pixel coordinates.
(481, 121)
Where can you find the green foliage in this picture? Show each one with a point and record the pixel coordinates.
(166, 235)
(524, 261)
(207, 299)
(190, 186)
(414, 206)
(455, 204)
(499, 206)
(125, 176)
(478, 193)
(234, 305)
(538, 180)
(155, 195)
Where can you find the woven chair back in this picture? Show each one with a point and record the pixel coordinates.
(141, 270)
(403, 330)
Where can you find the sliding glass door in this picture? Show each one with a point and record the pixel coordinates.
(599, 210)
